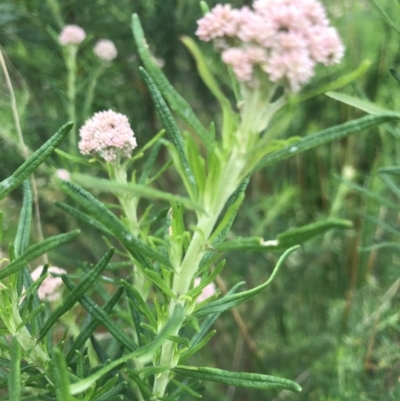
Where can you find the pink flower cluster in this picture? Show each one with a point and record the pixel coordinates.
(283, 38)
(108, 135)
(49, 289)
(105, 50)
(72, 35)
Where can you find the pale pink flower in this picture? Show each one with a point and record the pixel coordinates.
(220, 21)
(105, 50)
(207, 292)
(72, 35)
(284, 38)
(253, 27)
(295, 67)
(49, 289)
(63, 174)
(107, 134)
(325, 45)
(239, 61)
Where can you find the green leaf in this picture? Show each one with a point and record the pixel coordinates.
(326, 136)
(83, 217)
(89, 181)
(187, 354)
(207, 77)
(384, 16)
(30, 316)
(172, 129)
(102, 317)
(93, 324)
(25, 220)
(24, 229)
(210, 320)
(62, 387)
(140, 301)
(33, 162)
(177, 102)
(231, 301)
(35, 251)
(394, 73)
(361, 104)
(76, 294)
(371, 195)
(295, 236)
(75, 159)
(92, 206)
(338, 83)
(14, 378)
(302, 234)
(145, 353)
(159, 282)
(238, 379)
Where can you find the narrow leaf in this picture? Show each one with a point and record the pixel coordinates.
(384, 16)
(143, 353)
(14, 378)
(326, 136)
(24, 229)
(170, 126)
(176, 101)
(102, 317)
(134, 189)
(33, 162)
(76, 294)
(62, 388)
(89, 329)
(238, 379)
(35, 251)
(361, 104)
(25, 220)
(102, 214)
(234, 300)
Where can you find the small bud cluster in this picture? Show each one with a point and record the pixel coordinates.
(108, 135)
(74, 35)
(105, 50)
(282, 38)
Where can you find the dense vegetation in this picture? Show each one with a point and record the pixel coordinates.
(330, 319)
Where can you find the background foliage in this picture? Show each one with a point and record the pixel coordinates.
(331, 318)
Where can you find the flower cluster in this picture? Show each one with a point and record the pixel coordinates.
(283, 38)
(105, 50)
(108, 135)
(49, 289)
(72, 35)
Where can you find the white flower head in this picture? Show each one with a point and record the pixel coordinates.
(72, 35)
(105, 50)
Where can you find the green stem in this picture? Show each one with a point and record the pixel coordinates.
(34, 353)
(71, 94)
(228, 182)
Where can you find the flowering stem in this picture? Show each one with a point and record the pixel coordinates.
(90, 90)
(226, 185)
(71, 93)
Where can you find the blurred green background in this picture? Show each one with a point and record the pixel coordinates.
(331, 318)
